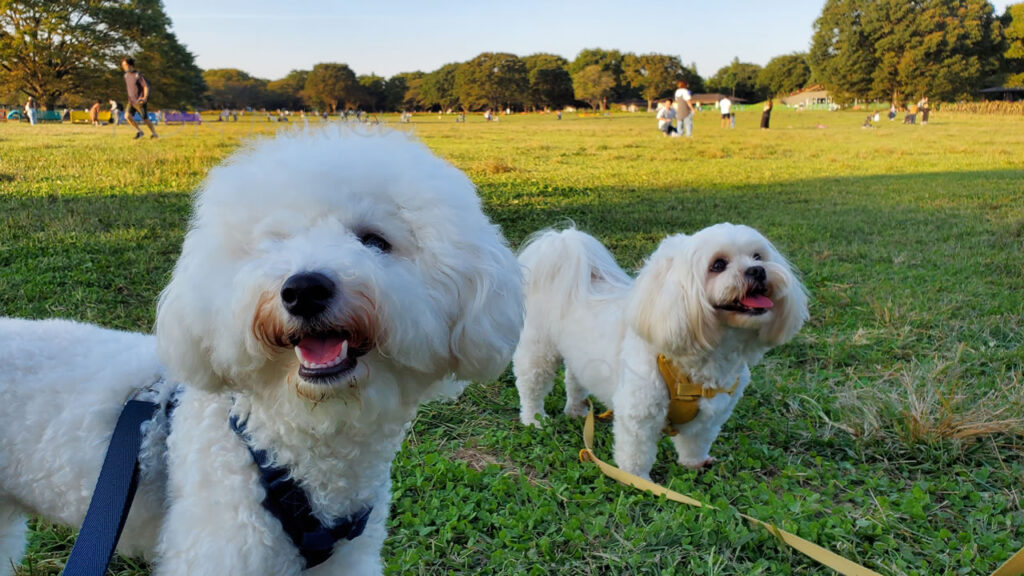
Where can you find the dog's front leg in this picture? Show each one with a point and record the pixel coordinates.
(693, 443)
(215, 522)
(641, 405)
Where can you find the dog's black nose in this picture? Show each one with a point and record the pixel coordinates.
(307, 294)
(756, 273)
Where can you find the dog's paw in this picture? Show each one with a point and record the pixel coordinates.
(533, 421)
(698, 465)
(577, 410)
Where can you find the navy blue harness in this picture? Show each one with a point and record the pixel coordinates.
(118, 480)
(288, 502)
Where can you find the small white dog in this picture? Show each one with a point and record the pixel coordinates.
(330, 282)
(710, 305)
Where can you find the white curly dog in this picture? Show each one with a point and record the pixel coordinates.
(710, 305)
(329, 283)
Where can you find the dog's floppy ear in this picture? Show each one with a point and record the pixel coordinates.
(668, 306)
(490, 316)
(790, 309)
(180, 313)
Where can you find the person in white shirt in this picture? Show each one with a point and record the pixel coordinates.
(30, 111)
(665, 116)
(684, 109)
(725, 107)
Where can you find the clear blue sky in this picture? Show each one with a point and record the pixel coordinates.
(268, 38)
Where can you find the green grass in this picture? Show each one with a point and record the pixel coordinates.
(891, 430)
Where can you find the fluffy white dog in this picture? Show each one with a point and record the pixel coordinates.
(710, 305)
(330, 282)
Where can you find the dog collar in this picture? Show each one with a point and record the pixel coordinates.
(684, 394)
(288, 502)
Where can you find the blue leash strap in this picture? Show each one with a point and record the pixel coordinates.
(113, 495)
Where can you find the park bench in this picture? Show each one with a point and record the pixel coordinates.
(41, 115)
(82, 116)
(48, 116)
(182, 118)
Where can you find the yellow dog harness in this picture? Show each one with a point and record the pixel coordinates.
(684, 394)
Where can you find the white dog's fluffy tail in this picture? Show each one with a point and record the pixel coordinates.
(562, 268)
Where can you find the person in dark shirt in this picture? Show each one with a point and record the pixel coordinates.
(138, 97)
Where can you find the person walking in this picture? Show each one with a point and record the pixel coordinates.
(766, 115)
(30, 110)
(138, 97)
(684, 109)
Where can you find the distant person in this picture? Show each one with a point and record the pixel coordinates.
(94, 113)
(922, 105)
(30, 110)
(559, 115)
(725, 107)
(665, 116)
(138, 97)
(113, 113)
(911, 117)
(766, 114)
(684, 109)
(892, 111)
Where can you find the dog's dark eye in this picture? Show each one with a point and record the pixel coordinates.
(757, 256)
(719, 265)
(374, 240)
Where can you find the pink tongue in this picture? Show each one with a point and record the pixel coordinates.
(320, 350)
(757, 301)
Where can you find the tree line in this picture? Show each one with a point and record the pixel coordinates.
(68, 52)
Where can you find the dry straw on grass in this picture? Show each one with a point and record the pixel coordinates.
(494, 166)
(929, 404)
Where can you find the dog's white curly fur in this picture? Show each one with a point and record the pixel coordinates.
(608, 330)
(426, 287)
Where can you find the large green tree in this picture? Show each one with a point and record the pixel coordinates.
(898, 50)
(594, 85)
(653, 75)
(331, 85)
(403, 90)
(233, 88)
(175, 80)
(609, 61)
(550, 82)
(374, 90)
(785, 74)
(1013, 56)
(50, 50)
(288, 92)
(493, 79)
(437, 90)
(739, 79)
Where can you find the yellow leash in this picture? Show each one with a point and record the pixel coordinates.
(1013, 567)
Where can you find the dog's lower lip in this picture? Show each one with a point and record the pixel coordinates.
(741, 309)
(329, 374)
(315, 367)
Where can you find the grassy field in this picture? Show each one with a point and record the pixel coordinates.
(891, 430)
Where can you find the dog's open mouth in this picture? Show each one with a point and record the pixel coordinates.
(754, 303)
(326, 357)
